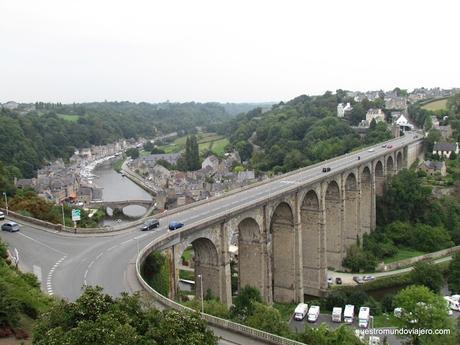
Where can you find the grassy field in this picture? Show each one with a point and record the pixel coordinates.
(211, 141)
(440, 104)
(70, 118)
(403, 254)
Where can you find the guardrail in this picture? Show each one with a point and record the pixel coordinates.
(210, 319)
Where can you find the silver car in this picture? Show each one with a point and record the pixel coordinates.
(10, 226)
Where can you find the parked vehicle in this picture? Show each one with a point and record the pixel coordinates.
(455, 298)
(337, 314)
(150, 225)
(374, 340)
(452, 304)
(338, 281)
(10, 226)
(300, 311)
(2, 215)
(175, 225)
(313, 313)
(358, 279)
(368, 278)
(363, 317)
(329, 280)
(397, 312)
(349, 313)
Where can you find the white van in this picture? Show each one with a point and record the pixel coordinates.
(363, 317)
(452, 303)
(349, 313)
(300, 311)
(313, 313)
(337, 314)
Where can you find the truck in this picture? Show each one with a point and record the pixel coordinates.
(337, 314)
(300, 311)
(363, 317)
(349, 313)
(313, 313)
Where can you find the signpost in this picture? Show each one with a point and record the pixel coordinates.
(75, 218)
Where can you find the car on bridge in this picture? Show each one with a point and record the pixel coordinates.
(326, 169)
(175, 225)
(10, 226)
(150, 225)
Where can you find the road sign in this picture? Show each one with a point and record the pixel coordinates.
(75, 214)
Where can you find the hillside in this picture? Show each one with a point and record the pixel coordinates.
(298, 133)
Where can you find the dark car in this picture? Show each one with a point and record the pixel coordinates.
(10, 226)
(175, 225)
(150, 225)
(338, 280)
(326, 169)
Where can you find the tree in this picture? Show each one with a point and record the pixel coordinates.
(268, 319)
(133, 153)
(427, 274)
(453, 276)
(424, 309)
(149, 146)
(358, 259)
(244, 305)
(192, 154)
(95, 318)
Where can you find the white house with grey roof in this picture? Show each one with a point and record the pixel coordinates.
(445, 149)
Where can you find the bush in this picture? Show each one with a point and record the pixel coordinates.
(357, 259)
(155, 271)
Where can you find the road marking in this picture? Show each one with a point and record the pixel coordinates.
(49, 279)
(38, 272)
(43, 244)
(112, 248)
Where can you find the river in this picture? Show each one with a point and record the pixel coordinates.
(116, 188)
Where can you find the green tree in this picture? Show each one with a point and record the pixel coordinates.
(244, 304)
(192, 154)
(453, 276)
(133, 153)
(268, 319)
(358, 259)
(424, 309)
(427, 274)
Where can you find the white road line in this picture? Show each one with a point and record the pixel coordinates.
(112, 248)
(43, 244)
(49, 279)
(100, 254)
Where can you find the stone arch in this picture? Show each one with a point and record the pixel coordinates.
(333, 225)
(283, 244)
(399, 161)
(351, 210)
(310, 219)
(366, 200)
(206, 265)
(390, 166)
(250, 254)
(379, 178)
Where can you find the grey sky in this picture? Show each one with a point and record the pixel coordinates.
(236, 51)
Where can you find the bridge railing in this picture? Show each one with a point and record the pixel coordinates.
(212, 320)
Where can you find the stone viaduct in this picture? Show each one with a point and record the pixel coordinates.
(287, 242)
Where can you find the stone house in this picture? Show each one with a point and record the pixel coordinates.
(445, 149)
(433, 167)
(375, 114)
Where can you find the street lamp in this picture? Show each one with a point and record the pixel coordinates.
(63, 218)
(201, 292)
(6, 202)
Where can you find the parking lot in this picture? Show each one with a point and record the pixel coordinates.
(326, 319)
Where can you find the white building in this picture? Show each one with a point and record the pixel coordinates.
(445, 149)
(343, 109)
(375, 114)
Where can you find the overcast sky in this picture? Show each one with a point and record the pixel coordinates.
(235, 51)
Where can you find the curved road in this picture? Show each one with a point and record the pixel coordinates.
(67, 262)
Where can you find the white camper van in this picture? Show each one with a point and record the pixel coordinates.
(337, 314)
(313, 313)
(300, 311)
(363, 317)
(349, 313)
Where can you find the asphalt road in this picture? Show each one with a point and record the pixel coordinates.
(65, 262)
